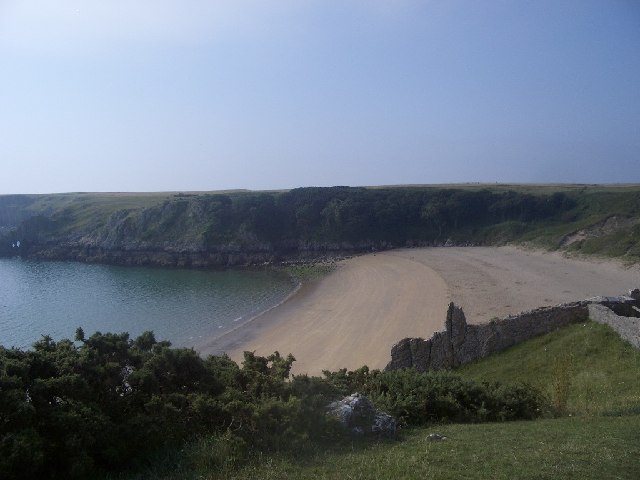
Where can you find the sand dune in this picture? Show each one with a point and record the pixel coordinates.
(353, 316)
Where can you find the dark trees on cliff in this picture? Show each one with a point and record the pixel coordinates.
(378, 216)
(334, 218)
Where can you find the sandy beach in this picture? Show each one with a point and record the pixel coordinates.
(354, 315)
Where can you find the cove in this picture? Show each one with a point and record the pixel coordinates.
(185, 307)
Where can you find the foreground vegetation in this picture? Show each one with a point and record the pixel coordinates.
(565, 448)
(108, 403)
(589, 430)
(584, 369)
(273, 226)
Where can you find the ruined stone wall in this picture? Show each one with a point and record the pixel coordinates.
(462, 343)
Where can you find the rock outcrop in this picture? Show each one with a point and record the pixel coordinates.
(357, 414)
(461, 343)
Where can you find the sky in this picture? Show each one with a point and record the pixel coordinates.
(201, 95)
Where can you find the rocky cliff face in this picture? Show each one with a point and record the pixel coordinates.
(219, 256)
(180, 232)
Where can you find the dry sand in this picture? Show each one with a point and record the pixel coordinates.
(353, 316)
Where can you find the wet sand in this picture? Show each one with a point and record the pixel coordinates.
(353, 316)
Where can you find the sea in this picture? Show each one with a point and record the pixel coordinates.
(185, 307)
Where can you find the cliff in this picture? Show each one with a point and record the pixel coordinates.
(245, 228)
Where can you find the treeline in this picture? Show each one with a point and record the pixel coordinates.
(284, 221)
(347, 214)
(109, 403)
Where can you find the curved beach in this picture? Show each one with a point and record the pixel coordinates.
(353, 316)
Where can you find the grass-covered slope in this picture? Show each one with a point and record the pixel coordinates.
(604, 221)
(585, 369)
(592, 431)
(108, 402)
(567, 448)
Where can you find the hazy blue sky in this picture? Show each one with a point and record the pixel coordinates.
(126, 95)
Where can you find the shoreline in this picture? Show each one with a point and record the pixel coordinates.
(353, 316)
(291, 294)
(331, 319)
(220, 344)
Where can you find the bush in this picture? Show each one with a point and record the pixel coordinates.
(68, 410)
(419, 398)
(108, 402)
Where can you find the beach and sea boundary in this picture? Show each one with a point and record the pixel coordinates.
(354, 315)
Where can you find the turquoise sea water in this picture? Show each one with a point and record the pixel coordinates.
(182, 306)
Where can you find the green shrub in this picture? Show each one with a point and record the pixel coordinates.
(109, 402)
(419, 398)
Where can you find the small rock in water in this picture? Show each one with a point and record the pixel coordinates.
(436, 437)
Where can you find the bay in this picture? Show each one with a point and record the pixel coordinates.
(185, 307)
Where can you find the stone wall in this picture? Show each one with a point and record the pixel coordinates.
(626, 322)
(461, 343)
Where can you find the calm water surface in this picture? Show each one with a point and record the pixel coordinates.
(182, 306)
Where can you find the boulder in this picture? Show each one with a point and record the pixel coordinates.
(356, 413)
(435, 437)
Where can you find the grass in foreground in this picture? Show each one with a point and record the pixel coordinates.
(585, 369)
(566, 448)
(584, 448)
(597, 436)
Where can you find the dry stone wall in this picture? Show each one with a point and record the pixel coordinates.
(623, 318)
(461, 343)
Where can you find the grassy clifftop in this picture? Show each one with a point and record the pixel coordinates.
(210, 228)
